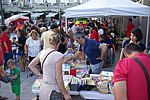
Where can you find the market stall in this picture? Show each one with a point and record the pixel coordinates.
(79, 83)
(97, 8)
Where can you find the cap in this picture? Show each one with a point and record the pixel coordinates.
(100, 31)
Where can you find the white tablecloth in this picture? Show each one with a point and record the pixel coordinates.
(95, 95)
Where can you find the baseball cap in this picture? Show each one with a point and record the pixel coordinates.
(100, 31)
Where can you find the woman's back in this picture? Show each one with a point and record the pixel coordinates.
(49, 66)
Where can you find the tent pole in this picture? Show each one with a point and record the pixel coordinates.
(147, 33)
(66, 24)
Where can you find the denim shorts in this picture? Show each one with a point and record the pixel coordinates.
(21, 53)
(96, 68)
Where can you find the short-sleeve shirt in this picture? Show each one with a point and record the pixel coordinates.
(94, 35)
(45, 38)
(141, 45)
(34, 46)
(14, 72)
(5, 38)
(1, 55)
(91, 49)
(22, 41)
(128, 70)
(109, 42)
(129, 29)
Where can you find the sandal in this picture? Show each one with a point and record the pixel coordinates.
(22, 70)
(30, 75)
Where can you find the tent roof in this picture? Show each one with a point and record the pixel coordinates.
(108, 8)
(15, 17)
(51, 14)
(35, 15)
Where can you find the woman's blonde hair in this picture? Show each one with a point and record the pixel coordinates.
(54, 39)
(33, 32)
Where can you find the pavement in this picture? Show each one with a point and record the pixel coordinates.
(26, 84)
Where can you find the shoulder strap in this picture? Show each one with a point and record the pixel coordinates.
(146, 75)
(45, 58)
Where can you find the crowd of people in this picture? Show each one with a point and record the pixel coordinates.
(45, 48)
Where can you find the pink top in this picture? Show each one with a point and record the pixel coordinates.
(128, 70)
(94, 35)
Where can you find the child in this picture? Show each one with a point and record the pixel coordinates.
(14, 46)
(15, 75)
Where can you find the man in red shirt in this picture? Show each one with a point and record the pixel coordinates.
(129, 79)
(130, 27)
(1, 64)
(1, 51)
(6, 44)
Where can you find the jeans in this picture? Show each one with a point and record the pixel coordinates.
(109, 56)
(97, 68)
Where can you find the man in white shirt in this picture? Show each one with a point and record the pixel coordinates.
(74, 28)
(46, 35)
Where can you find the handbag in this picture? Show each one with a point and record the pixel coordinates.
(146, 75)
(54, 94)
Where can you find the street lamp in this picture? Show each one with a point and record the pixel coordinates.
(61, 6)
(60, 15)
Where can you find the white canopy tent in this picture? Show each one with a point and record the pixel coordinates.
(35, 15)
(15, 18)
(95, 8)
(23, 14)
(51, 14)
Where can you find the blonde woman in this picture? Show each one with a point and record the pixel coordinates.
(52, 69)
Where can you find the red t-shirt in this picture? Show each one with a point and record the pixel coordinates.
(94, 35)
(1, 54)
(128, 70)
(5, 38)
(130, 28)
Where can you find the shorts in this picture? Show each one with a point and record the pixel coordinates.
(7, 56)
(16, 90)
(31, 58)
(97, 68)
(21, 53)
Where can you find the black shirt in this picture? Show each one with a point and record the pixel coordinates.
(22, 41)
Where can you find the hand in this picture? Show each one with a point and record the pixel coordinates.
(67, 97)
(25, 53)
(66, 60)
(6, 51)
